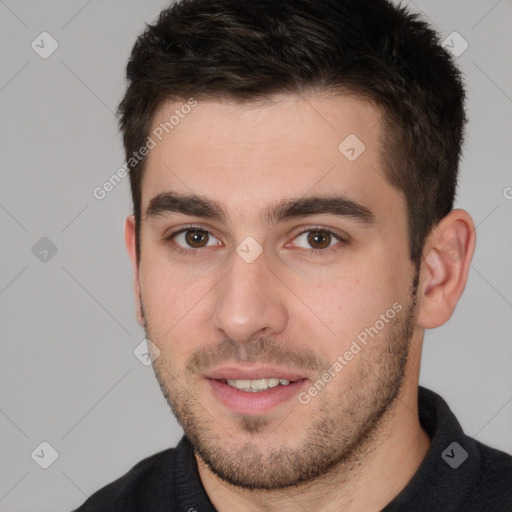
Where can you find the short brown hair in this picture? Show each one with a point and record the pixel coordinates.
(249, 50)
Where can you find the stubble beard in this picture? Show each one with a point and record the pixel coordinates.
(336, 440)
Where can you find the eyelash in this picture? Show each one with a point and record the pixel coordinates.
(315, 252)
(320, 252)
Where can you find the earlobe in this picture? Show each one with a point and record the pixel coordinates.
(130, 241)
(445, 267)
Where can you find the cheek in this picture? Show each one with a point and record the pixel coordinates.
(353, 302)
(172, 300)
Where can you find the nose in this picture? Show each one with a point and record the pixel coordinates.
(249, 301)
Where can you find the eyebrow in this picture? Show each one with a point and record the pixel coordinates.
(199, 206)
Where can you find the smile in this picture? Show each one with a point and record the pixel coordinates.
(256, 385)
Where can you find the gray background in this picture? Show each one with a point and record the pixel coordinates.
(68, 375)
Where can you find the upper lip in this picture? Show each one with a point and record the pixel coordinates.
(252, 373)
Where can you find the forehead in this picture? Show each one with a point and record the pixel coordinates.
(246, 156)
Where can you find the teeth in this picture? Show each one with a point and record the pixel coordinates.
(256, 384)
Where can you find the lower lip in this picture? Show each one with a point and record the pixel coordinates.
(246, 402)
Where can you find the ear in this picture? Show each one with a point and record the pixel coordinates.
(130, 240)
(444, 268)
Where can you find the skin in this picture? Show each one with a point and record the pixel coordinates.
(357, 443)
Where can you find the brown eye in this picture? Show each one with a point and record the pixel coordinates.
(196, 238)
(319, 239)
(192, 240)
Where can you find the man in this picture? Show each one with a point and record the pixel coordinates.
(293, 167)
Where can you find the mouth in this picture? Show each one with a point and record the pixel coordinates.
(254, 391)
(256, 385)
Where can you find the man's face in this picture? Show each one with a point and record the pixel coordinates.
(268, 284)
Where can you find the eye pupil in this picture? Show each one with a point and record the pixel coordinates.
(319, 239)
(196, 237)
